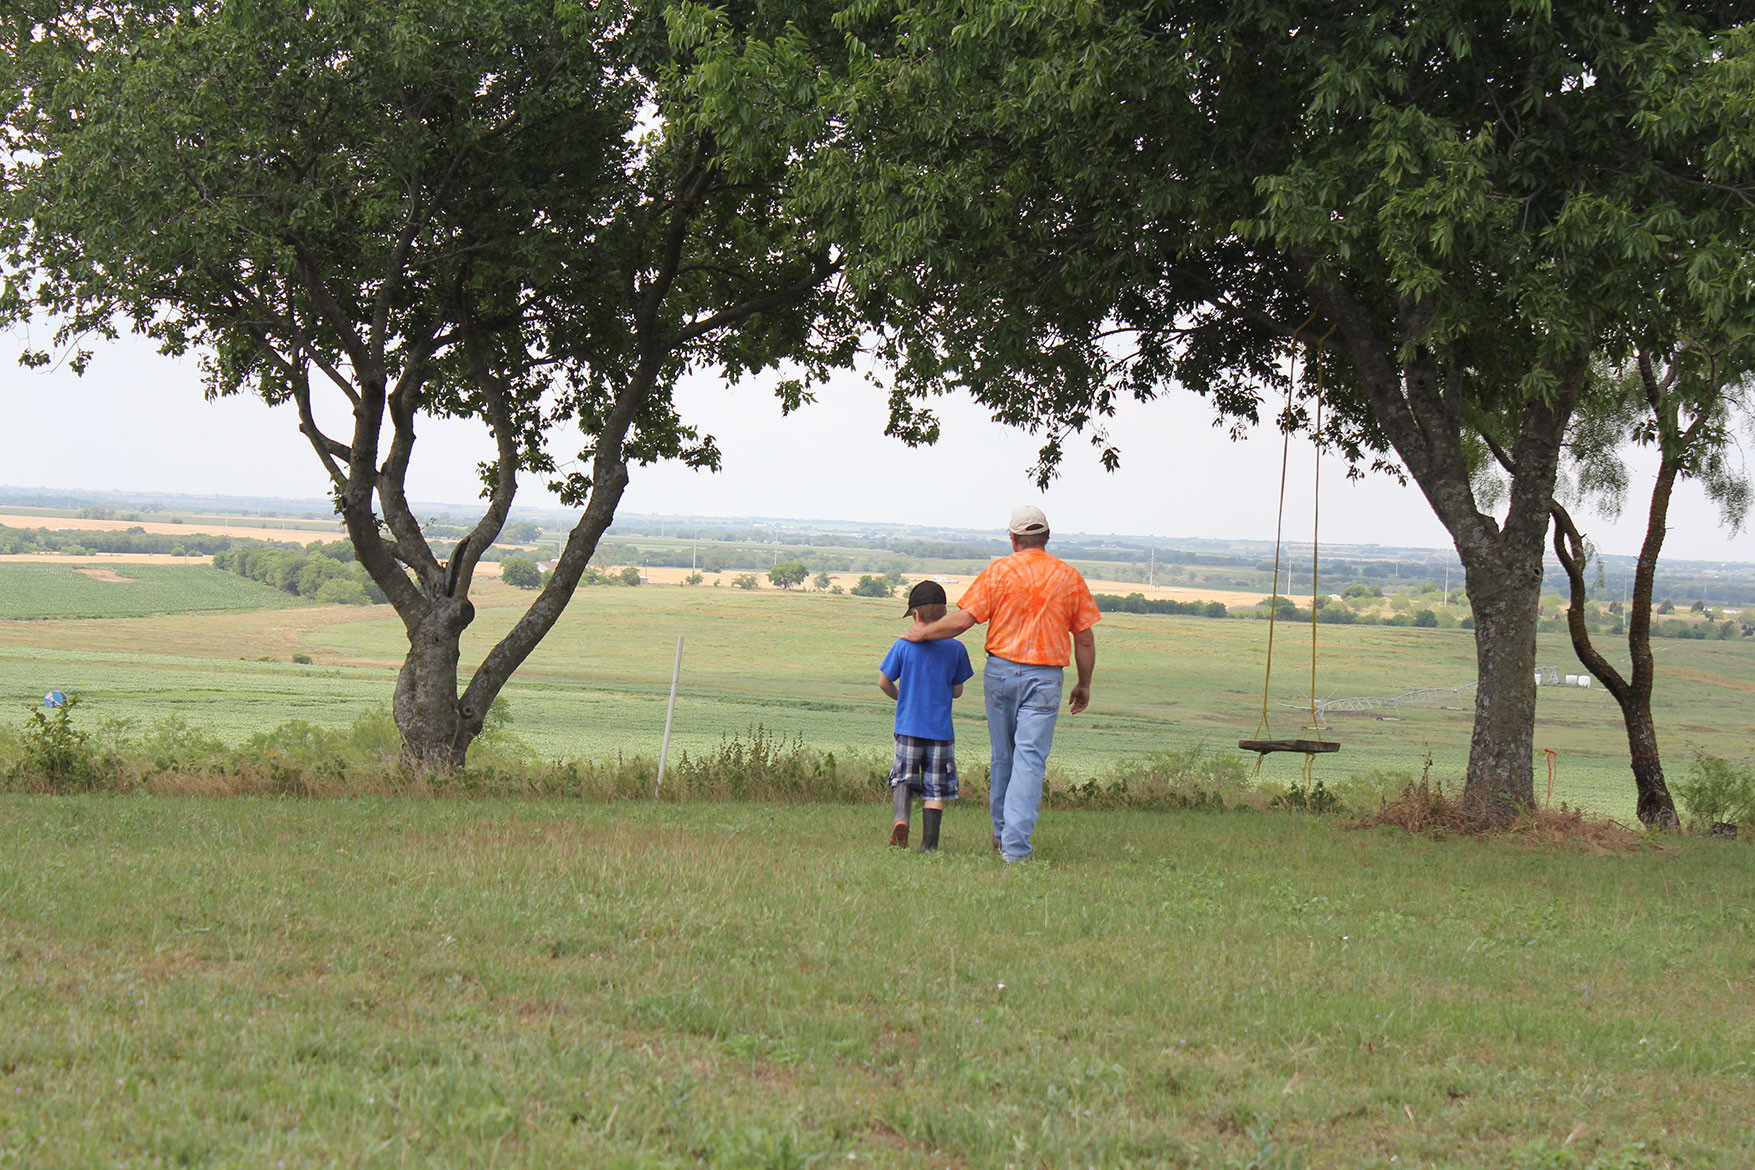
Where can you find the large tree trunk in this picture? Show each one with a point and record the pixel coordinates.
(1418, 402)
(1505, 590)
(436, 728)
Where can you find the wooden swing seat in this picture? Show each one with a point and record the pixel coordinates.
(1309, 747)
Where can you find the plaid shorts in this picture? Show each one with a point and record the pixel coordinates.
(929, 766)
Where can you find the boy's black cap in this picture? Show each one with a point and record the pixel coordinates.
(924, 593)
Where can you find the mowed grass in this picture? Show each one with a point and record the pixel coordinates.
(64, 591)
(804, 664)
(388, 983)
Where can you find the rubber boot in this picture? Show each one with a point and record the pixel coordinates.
(902, 797)
(929, 820)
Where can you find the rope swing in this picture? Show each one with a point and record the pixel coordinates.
(1263, 742)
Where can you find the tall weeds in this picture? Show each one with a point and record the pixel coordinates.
(52, 755)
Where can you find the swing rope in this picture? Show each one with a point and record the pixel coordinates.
(1263, 730)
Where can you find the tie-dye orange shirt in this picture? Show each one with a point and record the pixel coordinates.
(1032, 603)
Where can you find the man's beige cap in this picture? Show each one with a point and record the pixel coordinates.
(1028, 521)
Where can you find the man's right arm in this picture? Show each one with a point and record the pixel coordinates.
(948, 626)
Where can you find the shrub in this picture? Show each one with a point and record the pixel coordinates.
(57, 754)
(1317, 799)
(1717, 790)
(1192, 778)
(745, 581)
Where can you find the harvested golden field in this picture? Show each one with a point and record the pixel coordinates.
(165, 528)
(102, 558)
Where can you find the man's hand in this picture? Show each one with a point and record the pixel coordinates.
(1081, 697)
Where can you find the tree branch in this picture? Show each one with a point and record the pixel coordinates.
(821, 270)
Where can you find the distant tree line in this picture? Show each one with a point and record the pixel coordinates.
(1140, 603)
(79, 542)
(324, 572)
(524, 573)
(515, 532)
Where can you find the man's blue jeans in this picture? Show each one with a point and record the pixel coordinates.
(1022, 704)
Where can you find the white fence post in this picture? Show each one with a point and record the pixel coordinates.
(669, 714)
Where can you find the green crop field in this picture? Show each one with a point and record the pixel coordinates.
(64, 591)
(804, 665)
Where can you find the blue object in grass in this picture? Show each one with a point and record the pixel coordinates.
(54, 699)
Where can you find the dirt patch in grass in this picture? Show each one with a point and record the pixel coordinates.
(107, 575)
(1426, 809)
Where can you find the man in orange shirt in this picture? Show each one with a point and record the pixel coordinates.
(1037, 609)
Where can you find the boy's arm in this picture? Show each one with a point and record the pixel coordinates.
(886, 684)
(957, 691)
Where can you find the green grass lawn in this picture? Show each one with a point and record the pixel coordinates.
(805, 664)
(387, 983)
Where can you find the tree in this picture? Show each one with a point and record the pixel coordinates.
(746, 581)
(821, 581)
(520, 532)
(1444, 210)
(342, 591)
(1682, 406)
(869, 586)
(629, 576)
(317, 571)
(788, 574)
(374, 215)
(694, 578)
(521, 572)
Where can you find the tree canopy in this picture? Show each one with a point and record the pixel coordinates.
(789, 574)
(378, 214)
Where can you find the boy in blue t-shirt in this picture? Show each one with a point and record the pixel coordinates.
(923, 678)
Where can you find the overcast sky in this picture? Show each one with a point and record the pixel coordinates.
(137, 421)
